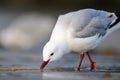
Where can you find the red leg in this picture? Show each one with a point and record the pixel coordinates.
(92, 66)
(81, 59)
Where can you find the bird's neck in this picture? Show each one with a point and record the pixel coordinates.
(58, 38)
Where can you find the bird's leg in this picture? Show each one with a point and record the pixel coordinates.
(92, 66)
(81, 59)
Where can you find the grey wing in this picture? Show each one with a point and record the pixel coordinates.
(92, 29)
(90, 32)
(88, 24)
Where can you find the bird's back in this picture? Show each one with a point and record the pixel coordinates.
(81, 27)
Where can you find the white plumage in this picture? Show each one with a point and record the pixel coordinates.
(79, 31)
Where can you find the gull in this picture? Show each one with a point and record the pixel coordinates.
(79, 31)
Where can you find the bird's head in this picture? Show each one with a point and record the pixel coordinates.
(50, 53)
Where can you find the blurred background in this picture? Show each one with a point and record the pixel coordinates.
(26, 25)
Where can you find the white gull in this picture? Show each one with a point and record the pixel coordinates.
(79, 31)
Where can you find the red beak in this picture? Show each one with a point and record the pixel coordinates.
(44, 63)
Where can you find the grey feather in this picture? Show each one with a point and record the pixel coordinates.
(90, 23)
(92, 29)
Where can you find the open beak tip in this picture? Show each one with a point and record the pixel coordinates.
(41, 69)
(44, 63)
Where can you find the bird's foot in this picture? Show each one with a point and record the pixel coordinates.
(92, 66)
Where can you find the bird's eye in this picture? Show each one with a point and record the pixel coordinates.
(51, 54)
